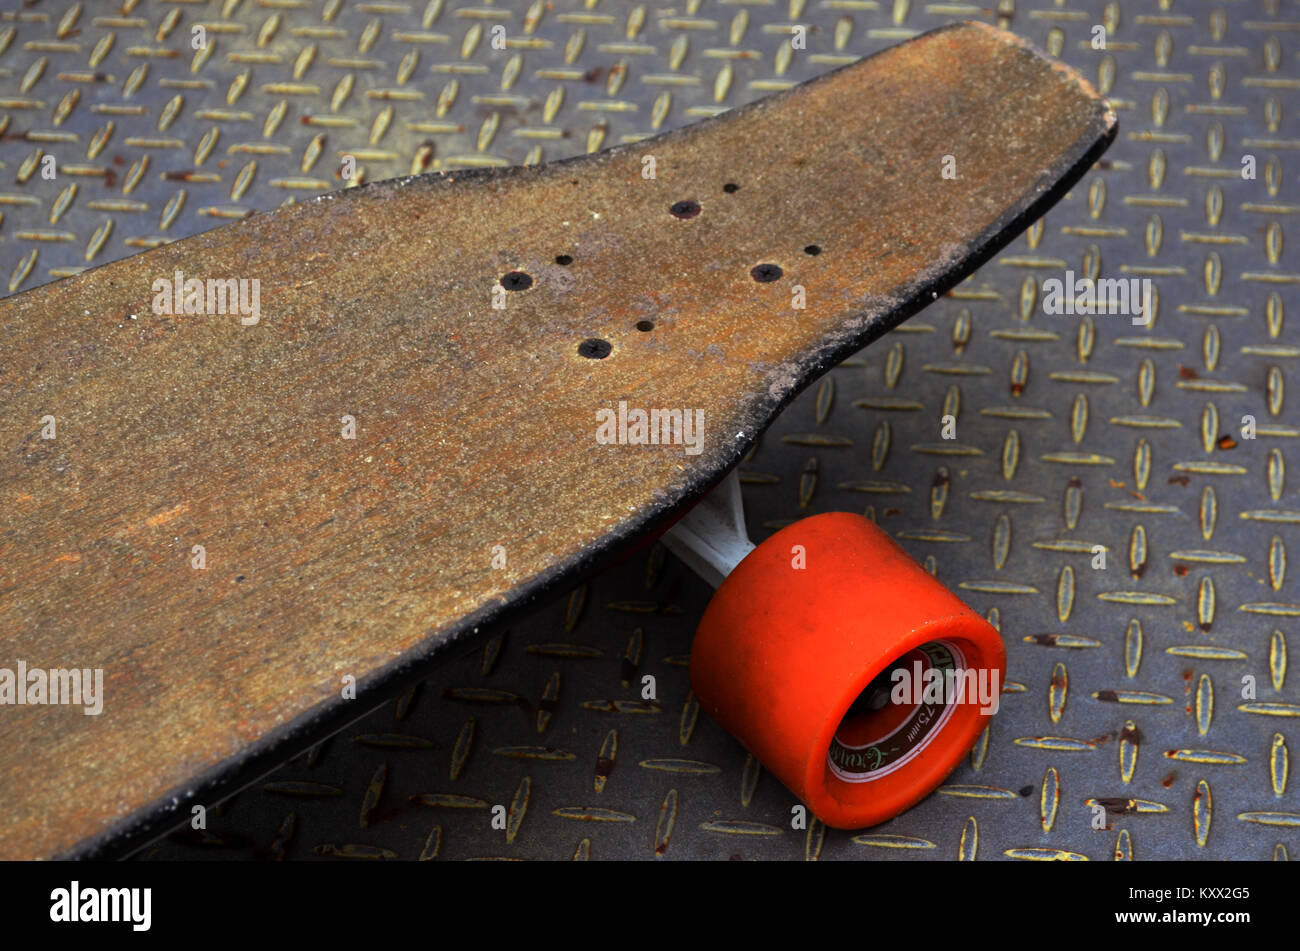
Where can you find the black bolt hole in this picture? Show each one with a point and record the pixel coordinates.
(645, 326)
(813, 249)
(685, 210)
(731, 188)
(516, 281)
(765, 273)
(563, 260)
(594, 349)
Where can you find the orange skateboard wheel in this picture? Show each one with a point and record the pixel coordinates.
(850, 672)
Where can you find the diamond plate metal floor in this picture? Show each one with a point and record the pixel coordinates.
(1131, 684)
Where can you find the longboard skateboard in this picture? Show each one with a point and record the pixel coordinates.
(259, 509)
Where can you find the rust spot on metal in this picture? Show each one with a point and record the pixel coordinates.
(1116, 806)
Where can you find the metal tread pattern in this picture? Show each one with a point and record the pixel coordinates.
(1153, 693)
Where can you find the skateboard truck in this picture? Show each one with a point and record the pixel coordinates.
(711, 538)
(848, 670)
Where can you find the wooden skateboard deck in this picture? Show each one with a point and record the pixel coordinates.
(487, 339)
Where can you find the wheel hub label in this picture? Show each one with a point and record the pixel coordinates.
(867, 748)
